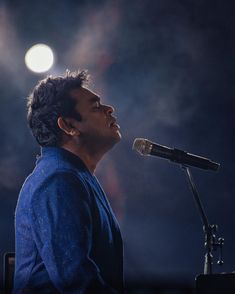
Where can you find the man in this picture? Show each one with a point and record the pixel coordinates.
(67, 237)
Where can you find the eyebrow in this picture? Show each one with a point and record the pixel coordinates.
(94, 99)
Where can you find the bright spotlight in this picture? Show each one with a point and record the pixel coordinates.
(39, 58)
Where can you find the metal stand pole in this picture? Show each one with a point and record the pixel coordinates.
(210, 239)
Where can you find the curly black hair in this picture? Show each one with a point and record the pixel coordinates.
(49, 100)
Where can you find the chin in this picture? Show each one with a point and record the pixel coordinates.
(118, 136)
(114, 140)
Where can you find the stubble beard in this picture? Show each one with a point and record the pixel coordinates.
(99, 144)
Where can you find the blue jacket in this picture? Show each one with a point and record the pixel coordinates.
(67, 237)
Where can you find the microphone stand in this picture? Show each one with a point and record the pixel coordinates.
(211, 242)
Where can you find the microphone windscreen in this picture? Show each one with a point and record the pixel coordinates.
(140, 145)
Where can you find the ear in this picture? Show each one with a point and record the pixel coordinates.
(67, 126)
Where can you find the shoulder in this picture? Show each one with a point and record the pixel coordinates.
(61, 185)
(61, 191)
(62, 181)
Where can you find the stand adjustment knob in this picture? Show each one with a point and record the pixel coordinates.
(220, 244)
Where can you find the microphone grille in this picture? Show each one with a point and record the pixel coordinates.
(142, 146)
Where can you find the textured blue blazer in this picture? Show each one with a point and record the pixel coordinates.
(67, 237)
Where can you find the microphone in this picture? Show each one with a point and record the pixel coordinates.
(146, 147)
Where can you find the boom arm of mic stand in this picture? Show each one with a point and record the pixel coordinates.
(208, 229)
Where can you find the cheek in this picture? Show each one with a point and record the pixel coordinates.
(93, 126)
(93, 122)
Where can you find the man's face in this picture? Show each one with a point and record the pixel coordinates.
(97, 126)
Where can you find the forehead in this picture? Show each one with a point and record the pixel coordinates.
(84, 95)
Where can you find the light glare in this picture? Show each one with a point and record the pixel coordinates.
(39, 58)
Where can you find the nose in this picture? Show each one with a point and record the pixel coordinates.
(109, 109)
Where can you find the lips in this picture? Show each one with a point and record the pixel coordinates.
(113, 124)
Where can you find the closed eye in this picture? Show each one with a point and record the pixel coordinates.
(97, 104)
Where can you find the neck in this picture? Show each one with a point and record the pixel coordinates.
(90, 159)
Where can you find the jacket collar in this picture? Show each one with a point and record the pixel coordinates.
(57, 152)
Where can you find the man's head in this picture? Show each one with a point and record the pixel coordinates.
(62, 109)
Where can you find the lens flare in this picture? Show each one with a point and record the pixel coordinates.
(39, 58)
